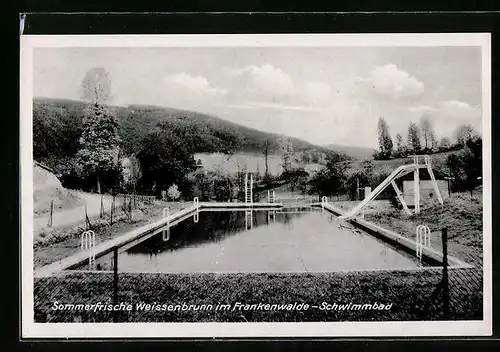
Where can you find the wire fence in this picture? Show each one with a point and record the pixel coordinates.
(102, 293)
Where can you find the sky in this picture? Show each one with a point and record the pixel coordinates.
(324, 95)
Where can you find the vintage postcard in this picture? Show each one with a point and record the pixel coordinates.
(256, 185)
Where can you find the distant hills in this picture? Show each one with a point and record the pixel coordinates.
(57, 126)
(358, 153)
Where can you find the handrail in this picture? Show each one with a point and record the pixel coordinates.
(87, 243)
(423, 239)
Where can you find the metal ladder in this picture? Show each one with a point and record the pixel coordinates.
(87, 240)
(271, 196)
(248, 189)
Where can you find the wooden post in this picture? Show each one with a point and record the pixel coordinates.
(357, 189)
(112, 210)
(115, 279)
(130, 208)
(86, 218)
(446, 294)
(102, 208)
(51, 212)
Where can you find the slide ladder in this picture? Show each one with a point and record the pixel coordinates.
(398, 172)
(433, 178)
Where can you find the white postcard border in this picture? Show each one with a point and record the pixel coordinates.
(30, 329)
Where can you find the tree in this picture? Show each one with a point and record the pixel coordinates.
(465, 133)
(165, 160)
(286, 151)
(427, 133)
(135, 172)
(384, 139)
(99, 153)
(414, 138)
(444, 144)
(466, 165)
(173, 192)
(96, 86)
(214, 184)
(400, 147)
(331, 180)
(295, 178)
(266, 157)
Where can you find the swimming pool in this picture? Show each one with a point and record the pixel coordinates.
(286, 240)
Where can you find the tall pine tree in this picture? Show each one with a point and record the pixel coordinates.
(427, 133)
(414, 138)
(99, 152)
(384, 139)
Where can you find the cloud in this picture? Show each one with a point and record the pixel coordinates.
(392, 82)
(255, 105)
(458, 107)
(264, 82)
(197, 85)
(448, 115)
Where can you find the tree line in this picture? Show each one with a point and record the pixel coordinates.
(421, 139)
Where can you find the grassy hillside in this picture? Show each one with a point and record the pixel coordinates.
(58, 123)
(438, 162)
(358, 153)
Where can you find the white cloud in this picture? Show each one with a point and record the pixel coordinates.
(193, 84)
(392, 82)
(448, 115)
(421, 109)
(458, 107)
(263, 82)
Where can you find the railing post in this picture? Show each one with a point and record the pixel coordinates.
(446, 295)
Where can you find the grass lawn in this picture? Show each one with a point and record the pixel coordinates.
(461, 214)
(409, 292)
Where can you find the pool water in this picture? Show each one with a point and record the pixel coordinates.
(307, 240)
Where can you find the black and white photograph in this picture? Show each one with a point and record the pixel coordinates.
(256, 185)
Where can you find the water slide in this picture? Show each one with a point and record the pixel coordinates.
(398, 172)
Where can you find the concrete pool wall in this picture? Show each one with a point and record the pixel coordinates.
(429, 255)
(133, 237)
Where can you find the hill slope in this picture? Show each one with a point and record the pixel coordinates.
(57, 126)
(358, 153)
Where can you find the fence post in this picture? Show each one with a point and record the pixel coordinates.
(51, 211)
(115, 280)
(446, 296)
(87, 220)
(101, 211)
(130, 208)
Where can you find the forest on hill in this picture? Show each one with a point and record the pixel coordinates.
(58, 124)
(161, 142)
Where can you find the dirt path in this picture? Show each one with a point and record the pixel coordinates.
(75, 215)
